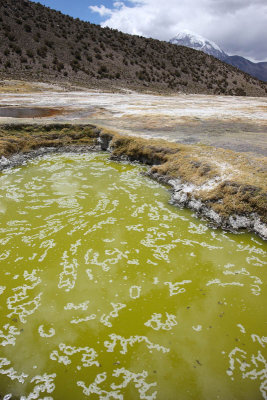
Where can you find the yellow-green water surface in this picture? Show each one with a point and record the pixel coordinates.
(109, 292)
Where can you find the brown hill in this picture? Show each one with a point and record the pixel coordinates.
(38, 43)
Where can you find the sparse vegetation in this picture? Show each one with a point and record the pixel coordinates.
(32, 36)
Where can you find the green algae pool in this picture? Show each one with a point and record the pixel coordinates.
(109, 292)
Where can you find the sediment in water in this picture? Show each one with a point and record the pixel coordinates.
(194, 173)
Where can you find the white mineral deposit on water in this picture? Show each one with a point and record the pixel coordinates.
(109, 292)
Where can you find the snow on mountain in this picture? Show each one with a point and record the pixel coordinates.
(197, 42)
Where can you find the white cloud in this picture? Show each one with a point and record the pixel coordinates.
(238, 26)
(118, 4)
(101, 10)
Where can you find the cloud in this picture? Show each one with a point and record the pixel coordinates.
(118, 4)
(238, 26)
(101, 10)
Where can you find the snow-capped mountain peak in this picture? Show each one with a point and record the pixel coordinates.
(197, 42)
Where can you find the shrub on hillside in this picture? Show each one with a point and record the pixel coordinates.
(27, 28)
(30, 53)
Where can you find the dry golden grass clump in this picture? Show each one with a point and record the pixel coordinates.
(23, 138)
(236, 198)
(171, 160)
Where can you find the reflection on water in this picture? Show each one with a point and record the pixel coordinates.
(108, 292)
(28, 112)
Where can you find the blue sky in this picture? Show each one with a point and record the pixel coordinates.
(77, 8)
(237, 26)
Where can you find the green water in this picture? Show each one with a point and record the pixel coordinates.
(108, 292)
